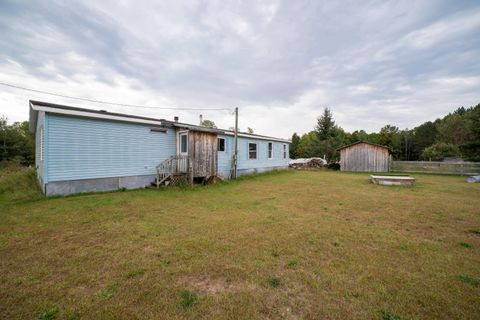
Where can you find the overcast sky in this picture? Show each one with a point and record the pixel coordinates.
(281, 62)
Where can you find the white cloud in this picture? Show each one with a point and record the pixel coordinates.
(280, 62)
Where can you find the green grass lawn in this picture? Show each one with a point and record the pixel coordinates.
(289, 245)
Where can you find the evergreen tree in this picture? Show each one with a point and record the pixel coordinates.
(294, 146)
(327, 134)
(326, 127)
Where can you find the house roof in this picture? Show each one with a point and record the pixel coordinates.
(366, 142)
(222, 131)
(36, 106)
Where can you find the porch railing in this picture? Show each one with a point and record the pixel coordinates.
(173, 165)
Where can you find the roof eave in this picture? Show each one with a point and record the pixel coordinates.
(87, 113)
(372, 144)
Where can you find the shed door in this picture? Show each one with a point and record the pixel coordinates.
(202, 148)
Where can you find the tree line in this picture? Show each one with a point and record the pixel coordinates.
(17, 143)
(455, 135)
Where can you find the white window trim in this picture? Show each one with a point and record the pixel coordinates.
(269, 157)
(42, 143)
(284, 151)
(256, 151)
(224, 144)
(179, 142)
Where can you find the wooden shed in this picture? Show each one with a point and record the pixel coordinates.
(365, 156)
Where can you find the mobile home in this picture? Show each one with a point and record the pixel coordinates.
(84, 150)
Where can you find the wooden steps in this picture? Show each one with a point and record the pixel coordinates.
(173, 171)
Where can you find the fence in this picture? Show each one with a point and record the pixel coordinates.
(437, 167)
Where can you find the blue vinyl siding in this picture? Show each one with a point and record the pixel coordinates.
(84, 148)
(246, 165)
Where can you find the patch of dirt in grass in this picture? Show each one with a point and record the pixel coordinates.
(287, 313)
(82, 291)
(149, 249)
(206, 285)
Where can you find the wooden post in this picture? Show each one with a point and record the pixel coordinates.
(190, 171)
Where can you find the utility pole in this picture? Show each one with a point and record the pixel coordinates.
(235, 150)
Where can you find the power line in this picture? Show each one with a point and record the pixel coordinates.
(106, 102)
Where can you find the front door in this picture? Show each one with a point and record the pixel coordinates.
(183, 143)
(182, 151)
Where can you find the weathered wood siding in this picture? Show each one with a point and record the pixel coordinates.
(202, 151)
(364, 157)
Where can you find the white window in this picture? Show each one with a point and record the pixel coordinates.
(183, 143)
(221, 144)
(270, 150)
(252, 151)
(284, 151)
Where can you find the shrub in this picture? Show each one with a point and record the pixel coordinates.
(440, 150)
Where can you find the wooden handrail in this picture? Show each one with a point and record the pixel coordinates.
(172, 165)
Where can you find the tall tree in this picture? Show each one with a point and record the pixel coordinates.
(389, 136)
(16, 142)
(327, 133)
(294, 146)
(308, 146)
(422, 136)
(471, 149)
(359, 136)
(454, 129)
(325, 127)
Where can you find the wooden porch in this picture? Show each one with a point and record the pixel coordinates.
(195, 162)
(173, 171)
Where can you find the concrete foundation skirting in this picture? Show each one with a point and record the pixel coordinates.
(54, 188)
(97, 185)
(241, 172)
